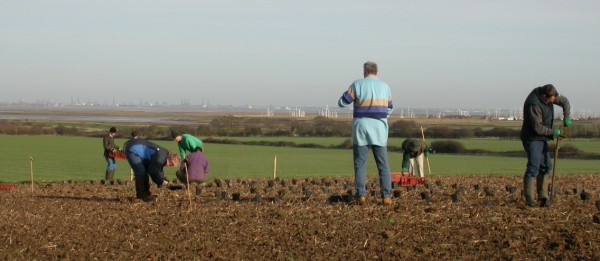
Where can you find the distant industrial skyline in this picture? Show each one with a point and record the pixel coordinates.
(514, 112)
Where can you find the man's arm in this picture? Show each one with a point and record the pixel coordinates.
(107, 142)
(563, 102)
(347, 98)
(405, 161)
(537, 122)
(390, 107)
(181, 151)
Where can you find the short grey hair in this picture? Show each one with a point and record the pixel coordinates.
(370, 68)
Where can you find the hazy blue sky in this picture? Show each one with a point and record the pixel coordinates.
(459, 54)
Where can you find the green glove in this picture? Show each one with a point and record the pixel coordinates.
(404, 169)
(426, 153)
(556, 133)
(561, 134)
(567, 121)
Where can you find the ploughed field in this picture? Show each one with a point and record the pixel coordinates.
(300, 219)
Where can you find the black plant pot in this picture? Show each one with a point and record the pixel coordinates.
(585, 196)
(456, 197)
(488, 192)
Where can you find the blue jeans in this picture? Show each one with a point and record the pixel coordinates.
(360, 169)
(111, 164)
(538, 158)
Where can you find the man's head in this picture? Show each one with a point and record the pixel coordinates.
(173, 160)
(176, 136)
(369, 68)
(134, 135)
(113, 131)
(548, 93)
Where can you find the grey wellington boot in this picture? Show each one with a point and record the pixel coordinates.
(529, 189)
(542, 189)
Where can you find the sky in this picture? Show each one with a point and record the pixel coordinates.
(433, 54)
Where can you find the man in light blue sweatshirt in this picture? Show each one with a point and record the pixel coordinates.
(372, 100)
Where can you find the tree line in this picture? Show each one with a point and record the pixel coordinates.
(233, 126)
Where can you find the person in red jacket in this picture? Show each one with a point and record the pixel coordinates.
(108, 143)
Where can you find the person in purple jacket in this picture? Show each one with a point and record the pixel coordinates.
(197, 168)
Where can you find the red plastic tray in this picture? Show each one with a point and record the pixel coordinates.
(406, 180)
(9, 187)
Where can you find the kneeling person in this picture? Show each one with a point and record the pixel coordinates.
(197, 168)
(147, 160)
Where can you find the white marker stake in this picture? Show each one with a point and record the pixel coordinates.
(31, 171)
(187, 177)
(275, 167)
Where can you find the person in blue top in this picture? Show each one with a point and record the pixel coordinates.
(372, 100)
(147, 160)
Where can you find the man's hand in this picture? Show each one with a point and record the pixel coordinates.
(174, 187)
(561, 134)
(567, 122)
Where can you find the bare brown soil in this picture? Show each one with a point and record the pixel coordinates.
(84, 221)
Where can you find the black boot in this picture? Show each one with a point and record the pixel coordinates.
(142, 188)
(546, 202)
(109, 175)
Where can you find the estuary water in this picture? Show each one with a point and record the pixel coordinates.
(91, 118)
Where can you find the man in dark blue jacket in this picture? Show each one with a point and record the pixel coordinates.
(537, 129)
(147, 160)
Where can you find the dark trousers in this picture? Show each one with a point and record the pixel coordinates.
(142, 187)
(145, 168)
(538, 158)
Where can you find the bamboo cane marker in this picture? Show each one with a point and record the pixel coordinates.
(427, 158)
(275, 167)
(131, 175)
(187, 178)
(31, 171)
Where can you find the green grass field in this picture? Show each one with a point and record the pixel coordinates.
(496, 145)
(57, 158)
